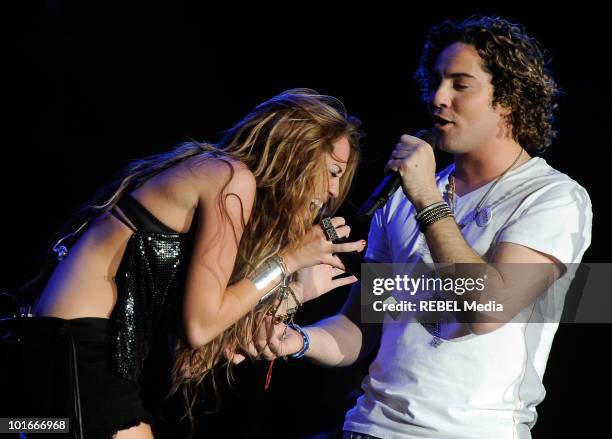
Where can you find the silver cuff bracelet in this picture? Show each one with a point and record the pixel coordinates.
(272, 271)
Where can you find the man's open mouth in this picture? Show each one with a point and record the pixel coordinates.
(440, 121)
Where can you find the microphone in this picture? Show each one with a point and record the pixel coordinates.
(352, 260)
(388, 185)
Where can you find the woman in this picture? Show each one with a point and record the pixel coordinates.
(200, 244)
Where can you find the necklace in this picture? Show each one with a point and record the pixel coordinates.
(481, 215)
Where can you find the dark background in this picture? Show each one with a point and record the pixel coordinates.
(92, 85)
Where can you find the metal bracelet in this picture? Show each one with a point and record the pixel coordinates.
(269, 272)
(428, 208)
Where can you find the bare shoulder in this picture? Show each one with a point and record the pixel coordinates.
(212, 175)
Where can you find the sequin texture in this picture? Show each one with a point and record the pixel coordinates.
(150, 284)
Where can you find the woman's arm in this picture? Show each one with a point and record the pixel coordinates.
(210, 306)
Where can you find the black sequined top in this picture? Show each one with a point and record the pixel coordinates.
(150, 284)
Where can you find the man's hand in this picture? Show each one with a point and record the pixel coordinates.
(413, 159)
(272, 341)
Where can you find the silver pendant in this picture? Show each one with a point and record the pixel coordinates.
(469, 218)
(484, 217)
(437, 331)
(435, 342)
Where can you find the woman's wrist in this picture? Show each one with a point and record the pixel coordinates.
(298, 290)
(290, 261)
(287, 303)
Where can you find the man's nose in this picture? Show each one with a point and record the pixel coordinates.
(439, 98)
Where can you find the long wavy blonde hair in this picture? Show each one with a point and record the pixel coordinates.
(283, 142)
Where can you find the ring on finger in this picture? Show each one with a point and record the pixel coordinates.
(329, 229)
(331, 234)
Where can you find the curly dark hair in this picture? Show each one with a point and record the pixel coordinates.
(518, 63)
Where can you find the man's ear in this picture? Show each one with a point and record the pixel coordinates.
(503, 110)
(506, 114)
(505, 123)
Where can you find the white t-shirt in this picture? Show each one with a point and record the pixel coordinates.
(475, 386)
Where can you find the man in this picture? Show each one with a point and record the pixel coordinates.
(491, 98)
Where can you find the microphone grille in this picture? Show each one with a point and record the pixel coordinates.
(428, 136)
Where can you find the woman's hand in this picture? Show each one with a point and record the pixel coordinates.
(315, 249)
(272, 341)
(317, 280)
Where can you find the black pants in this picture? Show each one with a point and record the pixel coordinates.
(57, 368)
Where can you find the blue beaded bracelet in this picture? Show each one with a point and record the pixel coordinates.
(305, 337)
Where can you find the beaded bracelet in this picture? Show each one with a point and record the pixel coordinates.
(305, 337)
(428, 208)
(432, 214)
(438, 212)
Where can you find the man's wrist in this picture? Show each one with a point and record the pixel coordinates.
(422, 201)
(305, 341)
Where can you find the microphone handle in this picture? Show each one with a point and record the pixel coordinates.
(379, 197)
(388, 185)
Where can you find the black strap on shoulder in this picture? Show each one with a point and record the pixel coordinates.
(117, 214)
(141, 217)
